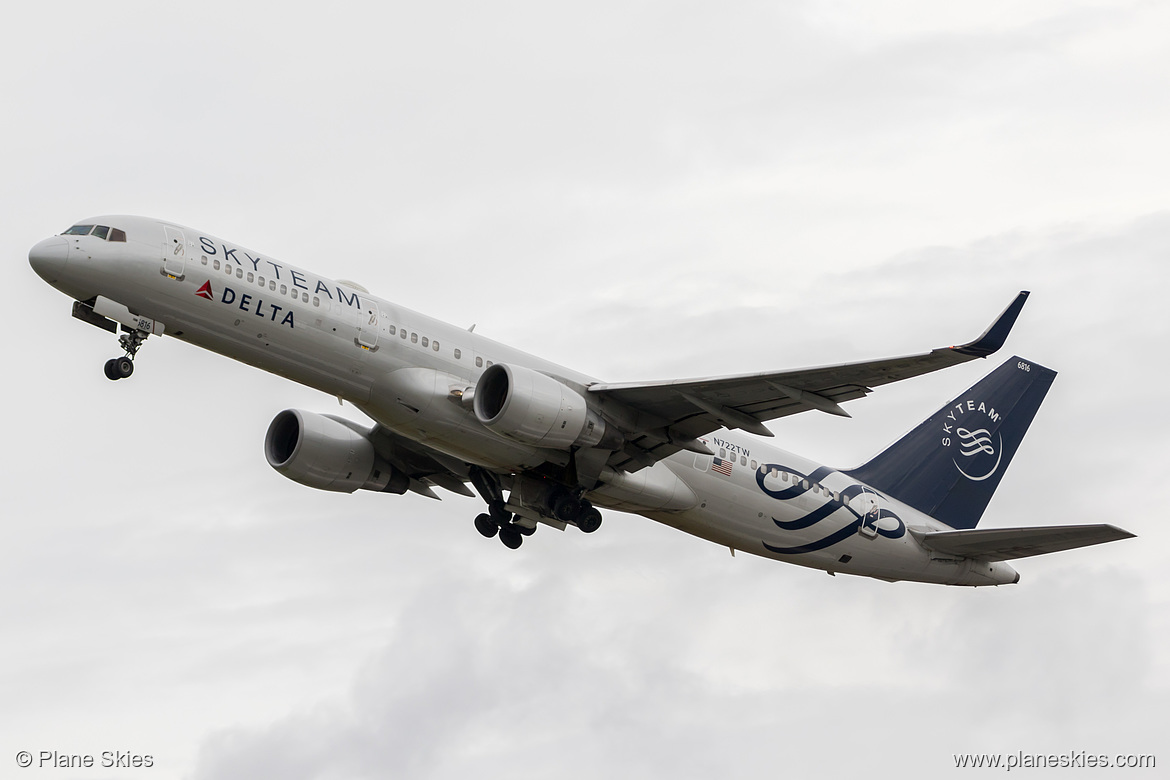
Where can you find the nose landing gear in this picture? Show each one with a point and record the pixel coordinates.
(119, 368)
(122, 367)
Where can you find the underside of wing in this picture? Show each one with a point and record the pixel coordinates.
(426, 468)
(1005, 544)
(672, 415)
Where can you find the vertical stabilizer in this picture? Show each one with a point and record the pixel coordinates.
(950, 465)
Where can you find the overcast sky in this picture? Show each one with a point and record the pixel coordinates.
(640, 190)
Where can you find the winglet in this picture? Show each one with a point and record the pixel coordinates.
(994, 337)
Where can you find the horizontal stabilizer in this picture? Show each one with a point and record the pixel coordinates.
(1005, 544)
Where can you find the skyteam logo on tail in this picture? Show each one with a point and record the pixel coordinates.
(967, 431)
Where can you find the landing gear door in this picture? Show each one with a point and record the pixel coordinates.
(174, 253)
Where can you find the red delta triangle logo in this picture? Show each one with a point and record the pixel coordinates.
(205, 291)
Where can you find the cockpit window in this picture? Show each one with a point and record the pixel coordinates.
(98, 231)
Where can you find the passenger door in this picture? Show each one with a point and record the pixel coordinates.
(174, 252)
(368, 327)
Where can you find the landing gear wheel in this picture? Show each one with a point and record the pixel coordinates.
(525, 530)
(510, 536)
(567, 508)
(112, 369)
(501, 515)
(589, 521)
(124, 367)
(486, 526)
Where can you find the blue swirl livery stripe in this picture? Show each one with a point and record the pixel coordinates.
(797, 489)
(812, 518)
(844, 533)
(830, 507)
(820, 544)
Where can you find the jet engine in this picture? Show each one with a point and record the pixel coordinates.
(533, 408)
(328, 453)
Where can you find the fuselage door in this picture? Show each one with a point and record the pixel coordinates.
(868, 509)
(367, 331)
(174, 252)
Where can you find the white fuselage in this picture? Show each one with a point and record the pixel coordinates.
(407, 371)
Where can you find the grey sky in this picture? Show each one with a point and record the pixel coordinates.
(641, 191)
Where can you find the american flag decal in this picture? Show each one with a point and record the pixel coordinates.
(722, 466)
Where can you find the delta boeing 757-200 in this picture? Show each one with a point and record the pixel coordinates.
(543, 444)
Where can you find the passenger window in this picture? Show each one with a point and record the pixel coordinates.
(217, 264)
(743, 460)
(317, 302)
(478, 362)
(489, 364)
(784, 475)
(435, 346)
(120, 235)
(403, 333)
(722, 454)
(753, 464)
(78, 230)
(457, 354)
(393, 329)
(260, 281)
(101, 231)
(272, 285)
(426, 341)
(304, 297)
(816, 488)
(413, 338)
(239, 273)
(804, 484)
(251, 277)
(205, 259)
(227, 269)
(284, 289)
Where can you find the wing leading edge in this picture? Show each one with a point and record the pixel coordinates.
(673, 414)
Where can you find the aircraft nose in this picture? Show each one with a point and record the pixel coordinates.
(48, 258)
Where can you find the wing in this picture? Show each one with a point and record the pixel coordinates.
(1005, 544)
(423, 466)
(670, 416)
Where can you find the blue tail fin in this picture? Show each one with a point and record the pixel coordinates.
(949, 466)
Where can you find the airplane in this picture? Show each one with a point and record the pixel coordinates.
(543, 445)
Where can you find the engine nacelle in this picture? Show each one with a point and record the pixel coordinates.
(328, 453)
(534, 408)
